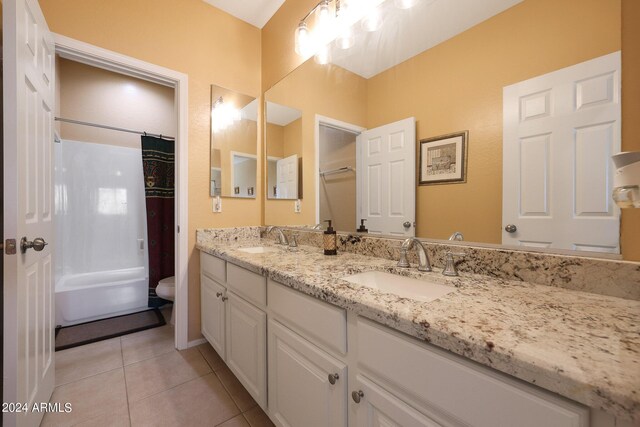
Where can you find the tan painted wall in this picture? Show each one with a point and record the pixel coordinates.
(457, 86)
(630, 113)
(278, 41)
(194, 38)
(98, 96)
(335, 93)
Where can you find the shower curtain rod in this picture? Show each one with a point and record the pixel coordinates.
(78, 122)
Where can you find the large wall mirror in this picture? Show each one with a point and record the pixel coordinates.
(523, 98)
(234, 133)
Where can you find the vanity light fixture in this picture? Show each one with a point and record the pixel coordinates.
(223, 115)
(334, 20)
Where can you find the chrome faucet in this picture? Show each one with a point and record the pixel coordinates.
(282, 238)
(450, 265)
(423, 258)
(456, 236)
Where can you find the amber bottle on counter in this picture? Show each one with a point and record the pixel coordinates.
(330, 240)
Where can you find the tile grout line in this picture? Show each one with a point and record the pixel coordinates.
(126, 390)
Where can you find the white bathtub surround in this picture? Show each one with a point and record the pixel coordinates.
(101, 258)
(580, 345)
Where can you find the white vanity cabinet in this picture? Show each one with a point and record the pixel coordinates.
(234, 321)
(307, 384)
(212, 301)
(400, 375)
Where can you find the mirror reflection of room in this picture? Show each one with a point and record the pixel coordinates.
(537, 97)
(234, 133)
(284, 151)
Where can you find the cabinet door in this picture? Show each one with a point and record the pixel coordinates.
(377, 408)
(246, 346)
(213, 313)
(300, 391)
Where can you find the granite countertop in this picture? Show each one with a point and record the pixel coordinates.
(583, 346)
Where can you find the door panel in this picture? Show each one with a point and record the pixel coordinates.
(29, 97)
(247, 346)
(298, 374)
(560, 130)
(213, 314)
(386, 191)
(287, 173)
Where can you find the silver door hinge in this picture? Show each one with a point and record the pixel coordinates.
(9, 246)
(178, 229)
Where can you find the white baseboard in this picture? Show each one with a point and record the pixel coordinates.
(196, 342)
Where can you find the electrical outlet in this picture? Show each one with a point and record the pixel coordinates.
(217, 204)
(297, 207)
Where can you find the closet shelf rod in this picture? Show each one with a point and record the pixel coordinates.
(338, 170)
(78, 122)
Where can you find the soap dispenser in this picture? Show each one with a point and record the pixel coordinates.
(362, 228)
(330, 240)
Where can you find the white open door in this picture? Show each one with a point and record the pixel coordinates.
(560, 130)
(29, 97)
(287, 173)
(386, 158)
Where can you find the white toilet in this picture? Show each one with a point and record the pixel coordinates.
(167, 289)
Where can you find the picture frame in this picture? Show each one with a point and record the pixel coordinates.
(443, 159)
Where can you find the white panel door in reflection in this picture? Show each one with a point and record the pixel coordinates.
(560, 130)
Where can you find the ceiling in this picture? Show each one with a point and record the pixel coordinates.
(255, 12)
(405, 33)
(281, 115)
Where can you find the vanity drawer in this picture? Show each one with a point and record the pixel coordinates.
(322, 323)
(213, 267)
(247, 284)
(456, 388)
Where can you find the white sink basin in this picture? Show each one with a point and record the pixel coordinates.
(405, 287)
(258, 250)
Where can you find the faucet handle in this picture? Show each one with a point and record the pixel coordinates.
(450, 265)
(403, 262)
(293, 240)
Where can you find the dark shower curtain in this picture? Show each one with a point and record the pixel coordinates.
(158, 164)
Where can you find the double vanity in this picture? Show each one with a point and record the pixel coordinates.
(355, 340)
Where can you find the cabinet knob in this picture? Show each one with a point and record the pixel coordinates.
(333, 378)
(357, 395)
(225, 298)
(218, 294)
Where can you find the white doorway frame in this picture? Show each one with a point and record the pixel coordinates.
(340, 125)
(85, 53)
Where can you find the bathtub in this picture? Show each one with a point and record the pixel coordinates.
(91, 296)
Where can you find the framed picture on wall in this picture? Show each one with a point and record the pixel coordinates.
(443, 159)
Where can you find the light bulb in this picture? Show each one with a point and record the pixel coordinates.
(302, 39)
(324, 28)
(405, 4)
(373, 20)
(323, 56)
(345, 38)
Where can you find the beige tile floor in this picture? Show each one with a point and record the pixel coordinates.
(142, 380)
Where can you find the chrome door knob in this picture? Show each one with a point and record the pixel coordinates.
(357, 395)
(511, 228)
(218, 294)
(406, 224)
(333, 378)
(225, 298)
(37, 244)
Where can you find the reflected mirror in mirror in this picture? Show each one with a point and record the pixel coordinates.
(234, 142)
(537, 94)
(284, 151)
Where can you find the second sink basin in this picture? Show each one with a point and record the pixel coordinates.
(258, 250)
(405, 287)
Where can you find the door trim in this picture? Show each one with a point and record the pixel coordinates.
(85, 53)
(337, 124)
